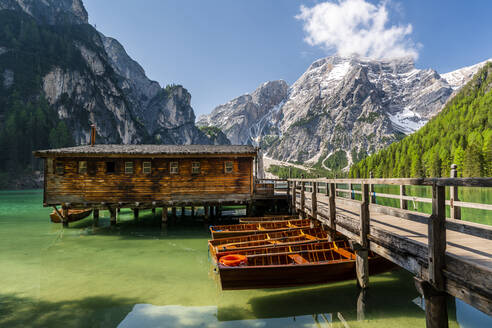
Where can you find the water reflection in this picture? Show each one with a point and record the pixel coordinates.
(147, 315)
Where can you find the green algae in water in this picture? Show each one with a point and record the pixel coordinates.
(137, 275)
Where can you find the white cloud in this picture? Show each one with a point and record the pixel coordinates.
(356, 27)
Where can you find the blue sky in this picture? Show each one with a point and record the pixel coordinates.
(221, 49)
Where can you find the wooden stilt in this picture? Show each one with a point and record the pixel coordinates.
(362, 267)
(436, 309)
(362, 260)
(112, 213)
(153, 211)
(164, 215)
(193, 211)
(135, 214)
(95, 216)
(206, 211)
(173, 211)
(183, 211)
(361, 305)
(65, 216)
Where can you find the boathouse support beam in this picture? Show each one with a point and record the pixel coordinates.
(95, 216)
(294, 195)
(65, 215)
(164, 216)
(112, 216)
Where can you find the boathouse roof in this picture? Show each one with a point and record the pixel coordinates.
(154, 150)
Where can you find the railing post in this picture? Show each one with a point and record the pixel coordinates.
(403, 202)
(303, 199)
(437, 237)
(294, 196)
(314, 201)
(371, 190)
(436, 313)
(453, 196)
(351, 193)
(362, 253)
(333, 210)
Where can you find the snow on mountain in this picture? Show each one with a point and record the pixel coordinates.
(353, 104)
(456, 79)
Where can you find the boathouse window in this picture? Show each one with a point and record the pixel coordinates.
(195, 168)
(128, 167)
(147, 167)
(60, 168)
(110, 167)
(83, 167)
(173, 167)
(228, 167)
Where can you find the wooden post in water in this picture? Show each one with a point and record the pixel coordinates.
(193, 211)
(65, 215)
(153, 211)
(403, 202)
(112, 216)
(173, 211)
(436, 313)
(453, 195)
(164, 217)
(333, 210)
(95, 216)
(361, 260)
(314, 201)
(303, 199)
(206, 212)
(135, 214)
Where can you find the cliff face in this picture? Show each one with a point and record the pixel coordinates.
(101, 84)
(242, 119)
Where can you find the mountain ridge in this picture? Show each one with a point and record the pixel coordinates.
(351, 104)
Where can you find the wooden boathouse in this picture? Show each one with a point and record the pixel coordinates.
(110, 177)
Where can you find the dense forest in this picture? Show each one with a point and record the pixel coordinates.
(461, 134)
(27, 122)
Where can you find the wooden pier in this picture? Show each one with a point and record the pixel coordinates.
(446, 255)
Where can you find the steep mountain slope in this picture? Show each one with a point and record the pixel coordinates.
(461, 134)
(242, 118)
(342, 108)
(59, 75)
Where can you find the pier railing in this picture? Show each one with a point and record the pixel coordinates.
(272, 187)
(445, 253)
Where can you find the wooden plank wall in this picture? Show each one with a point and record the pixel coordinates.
(98, 186)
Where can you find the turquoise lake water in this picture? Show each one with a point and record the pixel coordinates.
(137, 275)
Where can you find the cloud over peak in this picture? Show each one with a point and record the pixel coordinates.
(357, 27)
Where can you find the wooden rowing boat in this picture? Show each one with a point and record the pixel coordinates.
(233, 230)
(340, 246)
(73, 215)
(266, 218)
(265, 240)
(295, 268)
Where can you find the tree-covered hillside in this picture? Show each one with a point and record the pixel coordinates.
(461, 134)
(27, 121)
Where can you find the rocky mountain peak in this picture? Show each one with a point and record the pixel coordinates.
(346, 106)
(247, 117)
(50, 11)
